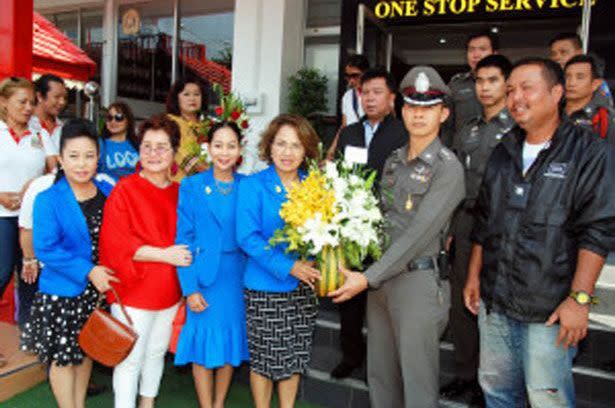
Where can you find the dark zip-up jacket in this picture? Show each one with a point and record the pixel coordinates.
(532, 227)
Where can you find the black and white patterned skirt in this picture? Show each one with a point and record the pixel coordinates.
(280, 330)
(55, 322)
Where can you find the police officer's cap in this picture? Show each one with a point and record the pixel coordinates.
(423, 86)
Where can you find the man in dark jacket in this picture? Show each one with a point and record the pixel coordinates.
(544, 225)
(368, 142)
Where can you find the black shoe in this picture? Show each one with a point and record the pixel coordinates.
(458, 388)
(476, 399)
(342, 370)
(95, 389)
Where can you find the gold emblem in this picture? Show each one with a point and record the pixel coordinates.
(409, 203)
(207, 190)
(278, 189)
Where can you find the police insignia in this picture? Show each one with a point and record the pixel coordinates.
(409, 203)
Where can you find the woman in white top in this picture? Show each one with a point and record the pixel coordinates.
(25, 153)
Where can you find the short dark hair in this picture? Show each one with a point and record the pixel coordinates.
(72, 129)
(177, 87)
(164, 123)
(380, 72)
(228, 124)
(358, 61)
(496, 61)
(584, 59)
(131, 134)
(572, 37)
(551, 71)
(41, 85)
(493, 39)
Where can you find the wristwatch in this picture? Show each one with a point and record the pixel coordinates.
(583, 298)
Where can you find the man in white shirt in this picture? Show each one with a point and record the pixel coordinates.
(51, 99)
(352, 111)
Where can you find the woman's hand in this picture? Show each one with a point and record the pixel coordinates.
(10, 200)
(101, 277)
(178, 255)
(196, 302)
(29, 271)
(305, 272)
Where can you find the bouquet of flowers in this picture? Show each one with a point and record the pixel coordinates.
(332, 216)
(230, 109)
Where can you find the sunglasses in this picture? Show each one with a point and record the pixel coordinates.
(352, 76)
(118, 117)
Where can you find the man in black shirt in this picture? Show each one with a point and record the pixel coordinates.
(368, 142)
(544, 225)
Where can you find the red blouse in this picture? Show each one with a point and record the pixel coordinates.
(138, 213)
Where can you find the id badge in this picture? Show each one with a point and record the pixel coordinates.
(36, 142)
(519, 195)
(355, 155)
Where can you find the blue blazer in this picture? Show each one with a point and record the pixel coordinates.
(61, 240)
(199, 227)
(258, 215)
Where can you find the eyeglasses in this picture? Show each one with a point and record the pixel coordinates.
(354, 75)
(158, 149)
(118, 117)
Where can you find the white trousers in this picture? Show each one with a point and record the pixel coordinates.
(142, 370)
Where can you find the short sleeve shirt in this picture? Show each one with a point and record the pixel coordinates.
(348, 109)
(27, 203)
(21, 161)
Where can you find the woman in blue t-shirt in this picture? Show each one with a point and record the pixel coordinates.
(118, 145)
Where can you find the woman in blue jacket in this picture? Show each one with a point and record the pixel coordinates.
(213, 338)
(280, 305)
(67, 219)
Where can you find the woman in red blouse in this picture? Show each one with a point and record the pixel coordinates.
(136, 242)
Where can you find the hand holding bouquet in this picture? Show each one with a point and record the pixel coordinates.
(333, 216)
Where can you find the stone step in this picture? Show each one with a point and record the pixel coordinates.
(605, 290)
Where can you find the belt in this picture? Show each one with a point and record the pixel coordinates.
(420, 264)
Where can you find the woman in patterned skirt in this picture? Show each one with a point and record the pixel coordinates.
(280, 306)
(67, 219)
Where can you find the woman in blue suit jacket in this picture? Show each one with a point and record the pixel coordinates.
(280, 305)
(66, 222)
(213, 338)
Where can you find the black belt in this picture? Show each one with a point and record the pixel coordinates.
(421, 264)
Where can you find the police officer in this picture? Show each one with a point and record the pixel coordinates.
(582, 107)
(408, 300)
(465, 105)
(473, 145)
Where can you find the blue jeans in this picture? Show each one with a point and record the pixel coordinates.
(519, 360)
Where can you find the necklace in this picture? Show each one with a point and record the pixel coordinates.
(224, 188)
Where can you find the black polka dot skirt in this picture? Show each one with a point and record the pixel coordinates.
(55, 322)
(280, 331)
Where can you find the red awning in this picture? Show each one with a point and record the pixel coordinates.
(54, 53)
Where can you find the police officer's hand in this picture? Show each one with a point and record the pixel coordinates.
(573, 322)
(355, 283)
(305, 272)
(471, 295)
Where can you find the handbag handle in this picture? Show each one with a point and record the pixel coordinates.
(119, 302)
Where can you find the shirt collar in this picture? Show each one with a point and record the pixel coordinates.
(428, 155)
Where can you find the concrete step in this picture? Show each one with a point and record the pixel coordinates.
(22, 370)
(604, 312)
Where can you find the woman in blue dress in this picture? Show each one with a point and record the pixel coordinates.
(213, 338)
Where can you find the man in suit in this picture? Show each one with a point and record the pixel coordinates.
(368, 142)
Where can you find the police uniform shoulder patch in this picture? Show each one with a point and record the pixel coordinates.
(446, 154)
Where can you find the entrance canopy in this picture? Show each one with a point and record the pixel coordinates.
(54, 53)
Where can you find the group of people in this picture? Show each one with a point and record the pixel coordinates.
(502, 170)
(514, 193)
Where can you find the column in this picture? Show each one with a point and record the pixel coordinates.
(16, 38)
(109, 53)
(267, 49)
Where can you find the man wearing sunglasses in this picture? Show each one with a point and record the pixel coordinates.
(352, 111)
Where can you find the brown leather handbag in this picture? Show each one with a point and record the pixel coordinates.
(105, 339)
